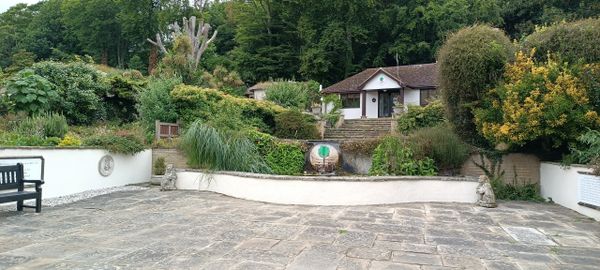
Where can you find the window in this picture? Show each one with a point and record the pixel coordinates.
(428, 96)
(350, 101)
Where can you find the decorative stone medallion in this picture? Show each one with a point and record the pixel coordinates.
(106, 165)
(324, 158)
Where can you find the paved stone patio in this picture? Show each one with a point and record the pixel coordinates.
(149, 229)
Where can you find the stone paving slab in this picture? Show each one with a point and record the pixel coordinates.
(148, 229)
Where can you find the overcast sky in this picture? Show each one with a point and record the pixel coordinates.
(5, 4)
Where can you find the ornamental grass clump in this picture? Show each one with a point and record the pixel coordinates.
(221, 150)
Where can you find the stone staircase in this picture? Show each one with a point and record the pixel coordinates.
(359, 129)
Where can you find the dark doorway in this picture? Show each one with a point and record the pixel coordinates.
(386, 104)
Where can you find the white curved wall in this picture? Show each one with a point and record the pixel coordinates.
(70, 171)
(282, 190)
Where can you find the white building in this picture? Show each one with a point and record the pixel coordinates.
(258, 91)
(373, 92)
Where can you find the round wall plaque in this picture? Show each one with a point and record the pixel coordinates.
(374, 99)
(106, 165)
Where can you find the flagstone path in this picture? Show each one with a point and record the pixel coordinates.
(148, 229)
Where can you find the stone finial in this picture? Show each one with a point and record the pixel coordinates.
(486, 197)
(169, 179)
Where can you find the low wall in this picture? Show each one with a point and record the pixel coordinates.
(562, 185)
(317, 190)
(70, 171)
(519, 169)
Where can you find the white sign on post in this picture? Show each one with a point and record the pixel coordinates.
(33, 167)
(589, 190)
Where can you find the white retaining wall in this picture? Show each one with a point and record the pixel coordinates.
(70, 171)
(331, 190)
(562, 185)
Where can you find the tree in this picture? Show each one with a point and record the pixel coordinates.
(470, 62)
(197, 35)
(95, 24)
(224, 80)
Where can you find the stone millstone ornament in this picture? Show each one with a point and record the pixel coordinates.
(324, 158)
(106, 165)
(169, 179)
(486, 197)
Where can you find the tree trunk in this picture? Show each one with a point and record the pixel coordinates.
(152, 59)
(104, 58)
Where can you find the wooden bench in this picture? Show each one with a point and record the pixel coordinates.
(11, 177)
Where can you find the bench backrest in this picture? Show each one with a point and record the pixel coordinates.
(11, 177)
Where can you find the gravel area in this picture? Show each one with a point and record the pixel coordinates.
(52, 202)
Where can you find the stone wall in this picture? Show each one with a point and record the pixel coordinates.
(172, 156)
(518, 168)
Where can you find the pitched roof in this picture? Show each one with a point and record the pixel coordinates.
(421, 76)
(258, 86)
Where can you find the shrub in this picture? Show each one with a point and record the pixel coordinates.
(209, 148)
(44, 125)
(70, 140)
(418, 117)
(79, 87)
(295, 125)
(120, 99)
(159, 166)
(155, 103)
(392, 157)
(470, 62)
(527, 192)
(227, 81)
(30, 93)
(264, 142)
(587, 150)
(127, 145)
(572, 41)
(289, 94)
(441, 144)
(539, 103)
(365, 146)
(193, 103)
(17, 139)
(286, 158)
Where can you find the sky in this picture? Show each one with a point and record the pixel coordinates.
(5, 4)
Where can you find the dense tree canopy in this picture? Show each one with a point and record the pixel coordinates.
(262, 39)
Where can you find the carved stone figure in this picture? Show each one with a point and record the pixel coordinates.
(169, 179)
(486, 193)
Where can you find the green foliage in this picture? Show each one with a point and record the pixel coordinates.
(295, 95)
(333, 116)
(30, 93)
(155, 103)
(470, 62)
(193, 103)
(224, 80)
(571, 41)
(264, 142)
(295, 125)
(527, 192)
(54, 125)
(418, 117)
(587, 150)
(441, 144)
(178, 63)
(209, 148)
(120, 100)
(17, 139)
(20, 60)
(286, 158)
(392, 157)
(364, 147)
(136, 63)
(80, 88)
(127, 145)
(159, 166)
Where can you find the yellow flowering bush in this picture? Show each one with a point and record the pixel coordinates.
(70, 140)
(544, 102)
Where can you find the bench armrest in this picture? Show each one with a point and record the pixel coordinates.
(36, 182)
